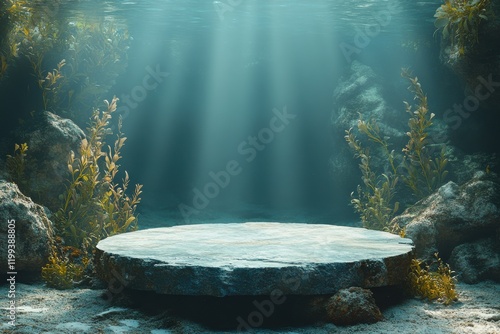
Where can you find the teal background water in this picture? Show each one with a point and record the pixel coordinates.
(205, 77)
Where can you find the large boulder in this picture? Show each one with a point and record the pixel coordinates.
(477, 261)
(453, 215)
(32, 229)
(50, 139)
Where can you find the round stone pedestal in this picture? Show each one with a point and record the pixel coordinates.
(253, 259)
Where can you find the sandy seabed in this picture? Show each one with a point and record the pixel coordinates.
(44, 310)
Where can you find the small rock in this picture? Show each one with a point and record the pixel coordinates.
(353, 306)
(32, 228)
(477, 261)
(493, 317)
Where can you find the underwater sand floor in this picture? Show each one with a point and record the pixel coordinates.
(43, 310)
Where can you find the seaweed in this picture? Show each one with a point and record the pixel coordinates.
(16, 166)
(66, 266)
(94, 205)
(51, 85)
(94, 53)
(460, 21)
(420, 171)
(423, 173)
(374, 201)
(439, 284)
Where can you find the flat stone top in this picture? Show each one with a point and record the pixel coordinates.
(253, 259)
(255, 245)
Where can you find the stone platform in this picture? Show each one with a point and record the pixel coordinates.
(253, 259)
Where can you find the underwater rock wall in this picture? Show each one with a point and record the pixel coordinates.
(479, 66)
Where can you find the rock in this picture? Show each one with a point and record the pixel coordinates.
(50, 139)
(465, 166)
(253, 259)
(360, 93)
(353, 306)
(453, 215)
(424, 234)
(474, 115)
(32, 229)
(479, 62)
(477, 261)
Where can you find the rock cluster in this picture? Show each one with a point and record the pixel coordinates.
(461, 221)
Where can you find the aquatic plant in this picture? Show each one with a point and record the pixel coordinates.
(66, 266)
(10, 11)
(374, 201)
(51, 85)
(97, 54)
(421, 172)
(437, 285)
(460, 21)
(3, 65)
(94, 205)
(94, 53)
(16, 165)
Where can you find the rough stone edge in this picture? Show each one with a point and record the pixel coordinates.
(221, 282)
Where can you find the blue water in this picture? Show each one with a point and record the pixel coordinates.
(224, 70)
